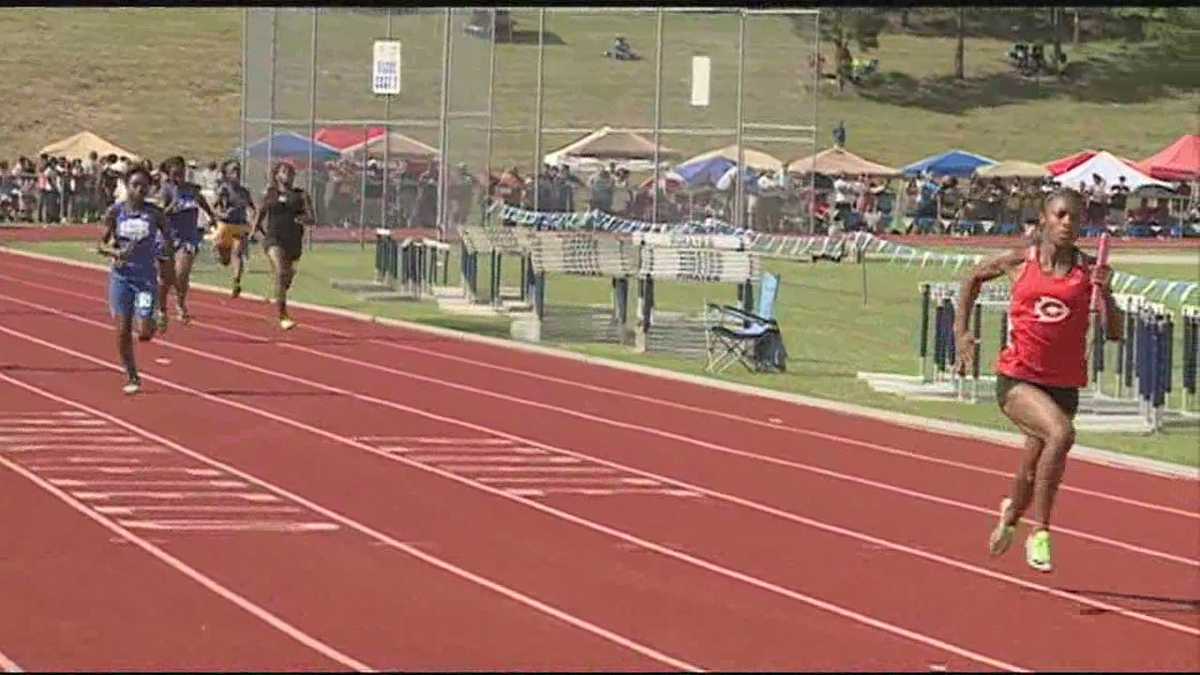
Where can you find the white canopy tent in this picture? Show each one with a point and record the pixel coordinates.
(1110, 168)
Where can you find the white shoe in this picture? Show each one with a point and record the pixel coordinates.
(133, 386)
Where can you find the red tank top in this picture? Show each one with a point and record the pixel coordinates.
(1048, 326)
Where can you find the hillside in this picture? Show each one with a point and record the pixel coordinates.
(169, 80)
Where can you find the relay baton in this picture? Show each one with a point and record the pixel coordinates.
(1101, 259)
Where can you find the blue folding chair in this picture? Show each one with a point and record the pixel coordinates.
(733, 335)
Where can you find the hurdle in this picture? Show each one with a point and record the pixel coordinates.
(1190, 317)
(410, 265)
(938, 365)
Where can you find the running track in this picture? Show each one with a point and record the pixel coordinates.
(351, 496)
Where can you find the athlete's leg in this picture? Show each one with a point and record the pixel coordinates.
(121, 298)
(239, 264)
(1040, 417)
(184, 257)
(282, 267)
(166, 281)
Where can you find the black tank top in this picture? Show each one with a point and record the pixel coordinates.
(283, 211)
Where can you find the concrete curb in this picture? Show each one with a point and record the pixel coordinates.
(1085, 453)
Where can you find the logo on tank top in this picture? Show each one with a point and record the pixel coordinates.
(1049, 309)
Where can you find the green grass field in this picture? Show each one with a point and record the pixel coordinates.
(829, 333)
(161, 81)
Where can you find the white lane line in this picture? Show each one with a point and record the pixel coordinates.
(79, 482)
(407, 449)
(94, 439)
(227, 525)
(494, 459)
(42, 447)
(91, 495)
(194, 574)
(126, 470)
(566, 480)
(56, 430)
(490, 468)
(131, 509)
(599, 492)
(438, 440)
(95, 459)
(8, 665)
(462, 573)
(786, 515)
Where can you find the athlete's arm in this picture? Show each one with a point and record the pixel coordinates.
(259, 216)
(1114, 318)
(309, 215)
(992, 268)
(204, 205)
(110, 230)
(160, 223)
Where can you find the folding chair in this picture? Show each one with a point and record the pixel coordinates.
(733, 335)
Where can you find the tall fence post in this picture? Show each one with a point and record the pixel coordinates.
(740, 189)
(658, 48)
(312, 122)
(537, 123)
(444, 145)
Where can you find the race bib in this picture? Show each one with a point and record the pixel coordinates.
(133, 228)
(143, 300)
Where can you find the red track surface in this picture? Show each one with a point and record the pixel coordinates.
(733, 532)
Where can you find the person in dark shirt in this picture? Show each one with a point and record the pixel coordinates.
(285, 211)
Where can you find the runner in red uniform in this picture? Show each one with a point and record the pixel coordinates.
(1040, 372)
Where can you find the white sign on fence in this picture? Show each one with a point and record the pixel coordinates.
(701, 70)
(385, 76)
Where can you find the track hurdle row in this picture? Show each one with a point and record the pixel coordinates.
(410, 263)
(1144, 367)
(939, 302)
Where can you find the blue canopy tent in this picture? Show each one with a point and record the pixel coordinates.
(704, 171)
(959, 163)
(290, 146)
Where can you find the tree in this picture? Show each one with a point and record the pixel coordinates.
(843, 26)
(959, 65)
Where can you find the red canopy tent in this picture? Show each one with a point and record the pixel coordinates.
(344, 137)
(1179, 161)
(1065, 164)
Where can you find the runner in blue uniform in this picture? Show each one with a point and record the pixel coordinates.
(231, 238)
(134, 234)
(182, 202)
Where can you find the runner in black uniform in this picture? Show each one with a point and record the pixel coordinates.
(285, 210)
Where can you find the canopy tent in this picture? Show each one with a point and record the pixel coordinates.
(1110, 168)
(1179, 161)
(1013, 169)
(959, 163)
(288, 145)
(836, 161)
(597, 149)
(1065, 164)
(80, 145)
(710, 167)
(399, 146)
(344, 137)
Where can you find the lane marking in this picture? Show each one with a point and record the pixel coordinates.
(215, 494)
(495, 459)
(79, 482)
(224, 525)
(566, 480)
(633, 539)
(199, 577)
(92, 460)
(125, 470)
(438, 440)
(567, 516)
(131, 509)
(491, 468)
(500, 589)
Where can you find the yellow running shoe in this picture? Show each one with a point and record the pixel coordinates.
(1002, 536)
(1037, 551)
(286, 323)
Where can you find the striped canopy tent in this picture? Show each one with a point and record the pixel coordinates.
(1013, 169)
(399, 146)
(604, 146)
(344, 136)
(80, 145)
(1065, 164)
(835, 161)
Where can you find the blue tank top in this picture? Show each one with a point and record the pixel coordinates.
(185, 217)
(135, 232)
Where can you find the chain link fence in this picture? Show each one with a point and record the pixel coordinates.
(639, 112)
